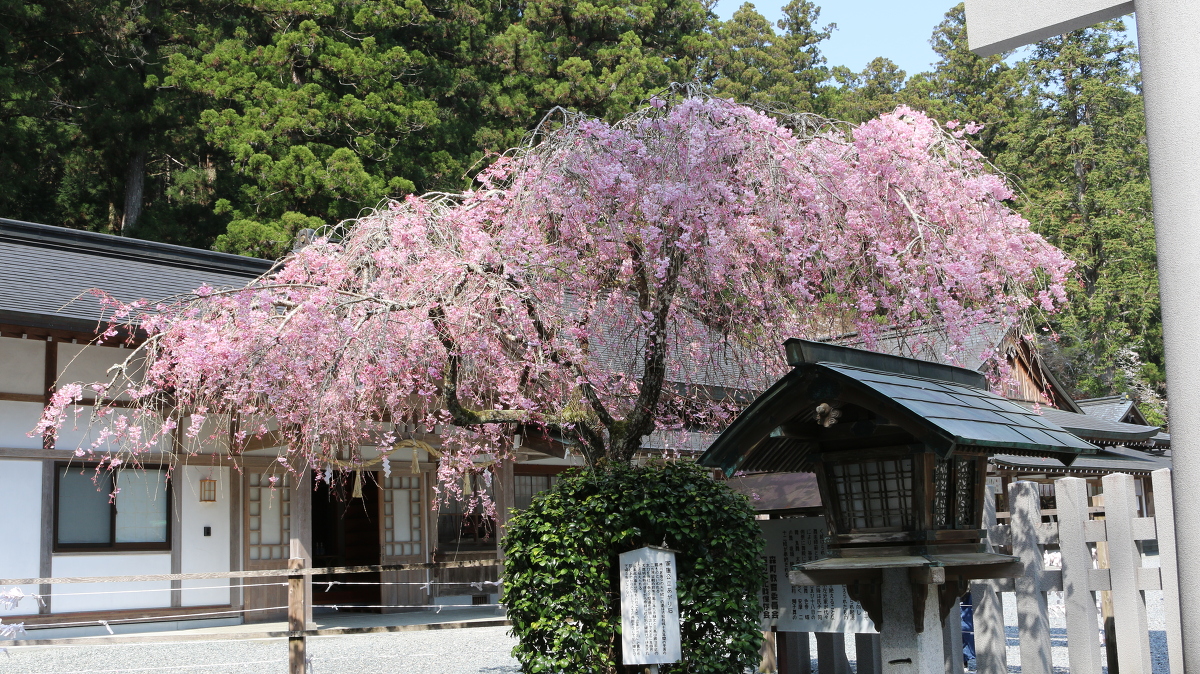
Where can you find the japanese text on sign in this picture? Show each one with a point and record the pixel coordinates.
(649, 607)
(797, 540)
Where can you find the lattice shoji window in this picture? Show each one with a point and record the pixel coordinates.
(528, 486)
(402, 516)
(269, 515)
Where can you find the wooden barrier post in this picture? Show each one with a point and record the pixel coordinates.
(991, 654)
(1129, 603)
(1164, 517)
(1024, 521)
(1080, 603)
(952, 640)
(1106, 604)
(296, 621)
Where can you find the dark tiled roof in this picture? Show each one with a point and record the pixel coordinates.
(944, 414)
(1108, 460)
(43, 270)
(1111, 408)
(1098, 429)
(969, 415)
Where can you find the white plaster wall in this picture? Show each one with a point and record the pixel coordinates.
(17, 419)
(202, 553)
(111, 564)
(22, 365)
(87, 364)
(20, 552)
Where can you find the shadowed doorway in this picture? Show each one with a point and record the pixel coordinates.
(345, 532)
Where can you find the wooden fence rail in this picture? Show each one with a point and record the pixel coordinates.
(1081, 577)
(1100, 557)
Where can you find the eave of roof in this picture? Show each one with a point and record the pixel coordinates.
(46, 274)
(1098, 429)
(118, 247)
(1108, 460)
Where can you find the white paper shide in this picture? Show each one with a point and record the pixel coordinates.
(649, 607)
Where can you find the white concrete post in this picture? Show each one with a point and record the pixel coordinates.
(1082, 616)
(991, 644)
(1164, 517)
(1129, 603)
(904, 650)
(1170, 58)
(1026, 516)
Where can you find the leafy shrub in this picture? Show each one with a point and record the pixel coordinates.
(561, 580)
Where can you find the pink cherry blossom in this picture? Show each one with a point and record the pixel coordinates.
(602, 282)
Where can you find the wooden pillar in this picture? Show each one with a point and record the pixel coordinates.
(301, 531)
(503, 487)
(298, 608)
(178, 488)
(867, 653)
(46, 555)
(792, 653)
(236, 557)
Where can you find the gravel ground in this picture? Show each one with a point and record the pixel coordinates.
(482, 650)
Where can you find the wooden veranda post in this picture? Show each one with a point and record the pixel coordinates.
(296, 622)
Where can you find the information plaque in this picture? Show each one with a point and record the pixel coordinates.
(788, 608)
(649, 607)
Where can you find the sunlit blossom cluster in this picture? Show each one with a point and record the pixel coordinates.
(603, 282)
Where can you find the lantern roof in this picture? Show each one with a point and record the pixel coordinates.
(842, 399)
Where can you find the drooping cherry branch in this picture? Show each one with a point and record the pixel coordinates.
(606, 281)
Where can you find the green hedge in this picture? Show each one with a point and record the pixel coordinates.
(561, 573)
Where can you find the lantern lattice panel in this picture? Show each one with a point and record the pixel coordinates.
(402, 512)
(268, 517)
(874, 494)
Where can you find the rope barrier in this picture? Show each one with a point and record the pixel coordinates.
(106, 623)
(149, 589)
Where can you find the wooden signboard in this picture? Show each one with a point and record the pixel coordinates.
(649, 607)
(788, 608)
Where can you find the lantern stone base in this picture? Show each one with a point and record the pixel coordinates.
(904, 649)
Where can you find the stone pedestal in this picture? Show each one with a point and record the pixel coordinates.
(904, 649)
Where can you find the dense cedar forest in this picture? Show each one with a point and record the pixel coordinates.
(234, 124)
